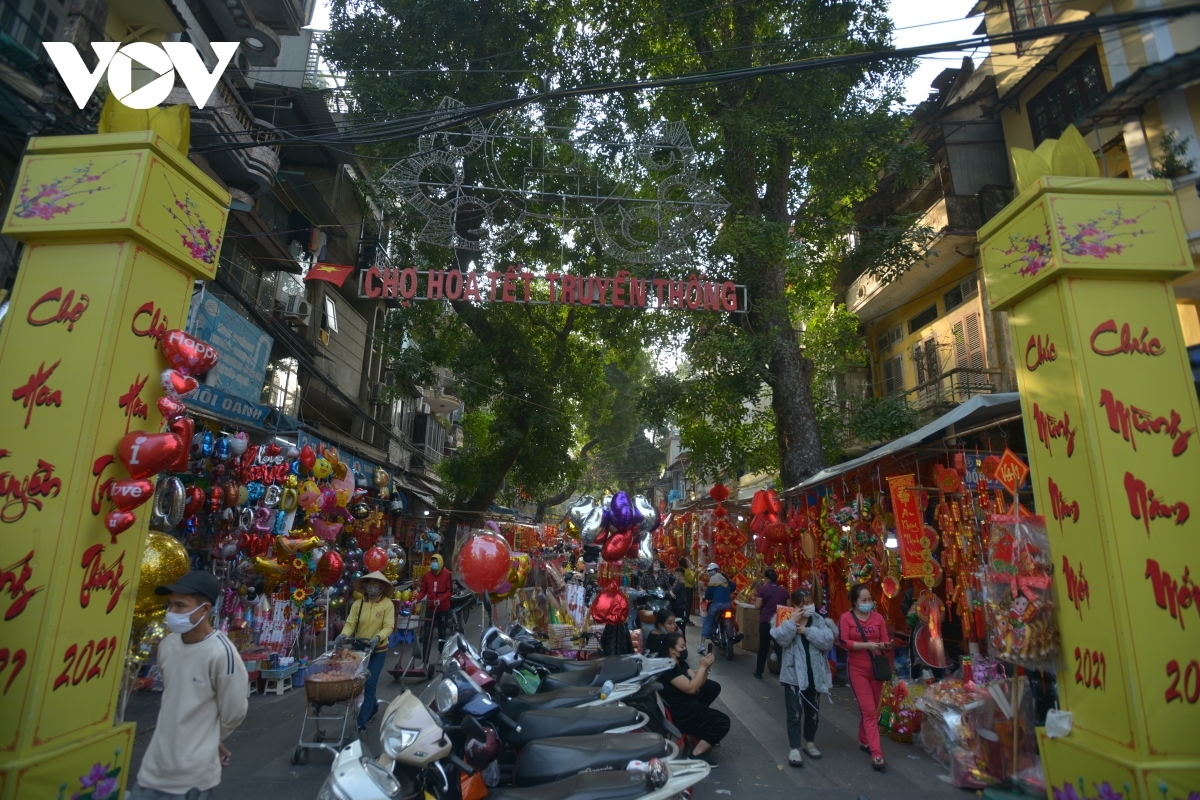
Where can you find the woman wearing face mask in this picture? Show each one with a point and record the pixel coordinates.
(436, 590)
(806, 638)
(664, 623)
(688, 695)
(863, 630)
(370, 616)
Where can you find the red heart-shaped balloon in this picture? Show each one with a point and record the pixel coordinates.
(273, 449)
(118, 522)
(611, 606)
(189, 355)
(616, 546)
(131, 493)
(145, 454)
(177, 385)
(183, 427)
(171, 408)
(307, 458)
(195, 501)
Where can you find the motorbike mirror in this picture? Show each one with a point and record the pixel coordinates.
(525, 647)
(474, 729)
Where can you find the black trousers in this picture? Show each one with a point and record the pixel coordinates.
(803, 714)
(765, 643)
(697, 719)
(439, 620)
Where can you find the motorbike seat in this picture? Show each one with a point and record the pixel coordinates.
(548, 760)
(571, 722)
(556, 664)
(564, 698)
(616, 785)
(615, 670)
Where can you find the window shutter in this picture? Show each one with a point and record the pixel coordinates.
(918, 356)
(975, 352)
(893, 375)
(960, 345)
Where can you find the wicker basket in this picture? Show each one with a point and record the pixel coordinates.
(327, 692)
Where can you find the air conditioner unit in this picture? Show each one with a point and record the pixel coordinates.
(295, 307)
(376, 393)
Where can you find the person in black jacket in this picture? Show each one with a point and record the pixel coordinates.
(679, 602)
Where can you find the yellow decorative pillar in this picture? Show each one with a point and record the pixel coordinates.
(116, 228)
(1084, 266)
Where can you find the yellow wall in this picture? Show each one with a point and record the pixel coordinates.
(940, 328)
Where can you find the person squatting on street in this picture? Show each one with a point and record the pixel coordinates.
(863, 631)
(436, 590)
(664, 623)
(203, 698)
(689, 697)
(371, 615)
(806, 638)
(770, 597)
(718, 595)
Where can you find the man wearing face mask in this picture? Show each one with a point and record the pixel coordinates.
(203, 699)
(436, 590)
(370, 617)
(806, 638)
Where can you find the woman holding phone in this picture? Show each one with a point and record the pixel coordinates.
(863, 631)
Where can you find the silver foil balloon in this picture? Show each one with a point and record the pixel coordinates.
(579, 512)
(646, 554)
(167, 509)
(649, 514)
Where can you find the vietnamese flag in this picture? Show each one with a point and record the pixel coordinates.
(330, 273)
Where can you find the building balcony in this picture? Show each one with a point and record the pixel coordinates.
(225, 120)
(952, 387)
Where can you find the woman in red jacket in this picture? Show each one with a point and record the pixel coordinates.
(863, 631)
(436, 591)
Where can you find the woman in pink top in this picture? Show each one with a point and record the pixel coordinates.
(872, 639)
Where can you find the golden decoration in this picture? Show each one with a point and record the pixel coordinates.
(1068, 156)
(164, 561)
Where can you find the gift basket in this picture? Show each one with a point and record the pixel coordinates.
(899, 714)
(1018, 591)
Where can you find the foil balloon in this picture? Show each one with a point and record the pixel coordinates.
(255, 491)
(381, 478)
(206, 444)
(340, 470)
(189, 355)
(289, 499)
(170, 408)
(326, 530)
(291, 481)
(145, 454)
(184, 428)
(130, 493)
(620, 511)
(177, 385)
(221, 448)
(649, 521)
(272, 495)
(606, 511)
(310, 495)
(147, 642)
(164, 561)
(360, 480)
(329, 498)
(322, 468)
(578, 513)
(270, 569)
(616, 546)
(482, 561)
(342, 498)
(238, 443)
(360, 510)
(307, 458)
(611, 607)
(168, 504)
(375, 559)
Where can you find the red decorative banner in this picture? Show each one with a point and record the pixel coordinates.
(910, 527)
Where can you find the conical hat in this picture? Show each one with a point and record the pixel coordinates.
(372, 576)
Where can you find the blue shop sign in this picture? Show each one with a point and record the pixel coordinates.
(226, 406)
(243, 347)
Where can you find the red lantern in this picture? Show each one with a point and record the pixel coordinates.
(375, 560)
(610, 607)
(329, 568)
(777, 533)
(719, 492)
(719, 512)
(483, 561)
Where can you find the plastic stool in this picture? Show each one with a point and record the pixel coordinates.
(277, 686)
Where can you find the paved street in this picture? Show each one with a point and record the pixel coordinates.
(752, 758)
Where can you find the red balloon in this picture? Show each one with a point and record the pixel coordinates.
(374, 559)
(176, 384)
(131, 493)
(307, 458)
(118, 522)
(611, 606)
(616, 546)
(189, 355)
(483, 561)
(183, 427)
(329, 568)
(171, 408)
(145, 454)
(195, 501)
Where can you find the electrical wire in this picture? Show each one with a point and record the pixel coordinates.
(436, 121)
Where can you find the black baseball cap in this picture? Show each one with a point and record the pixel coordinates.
(195, 582)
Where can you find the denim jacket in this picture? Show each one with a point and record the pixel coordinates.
(820, 635)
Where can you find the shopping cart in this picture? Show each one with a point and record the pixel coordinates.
(322, 694)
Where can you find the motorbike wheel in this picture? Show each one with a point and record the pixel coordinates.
(727, 635)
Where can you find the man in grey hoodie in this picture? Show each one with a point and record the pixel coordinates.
(806, 638)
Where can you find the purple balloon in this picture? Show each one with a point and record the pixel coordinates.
(621, 511)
